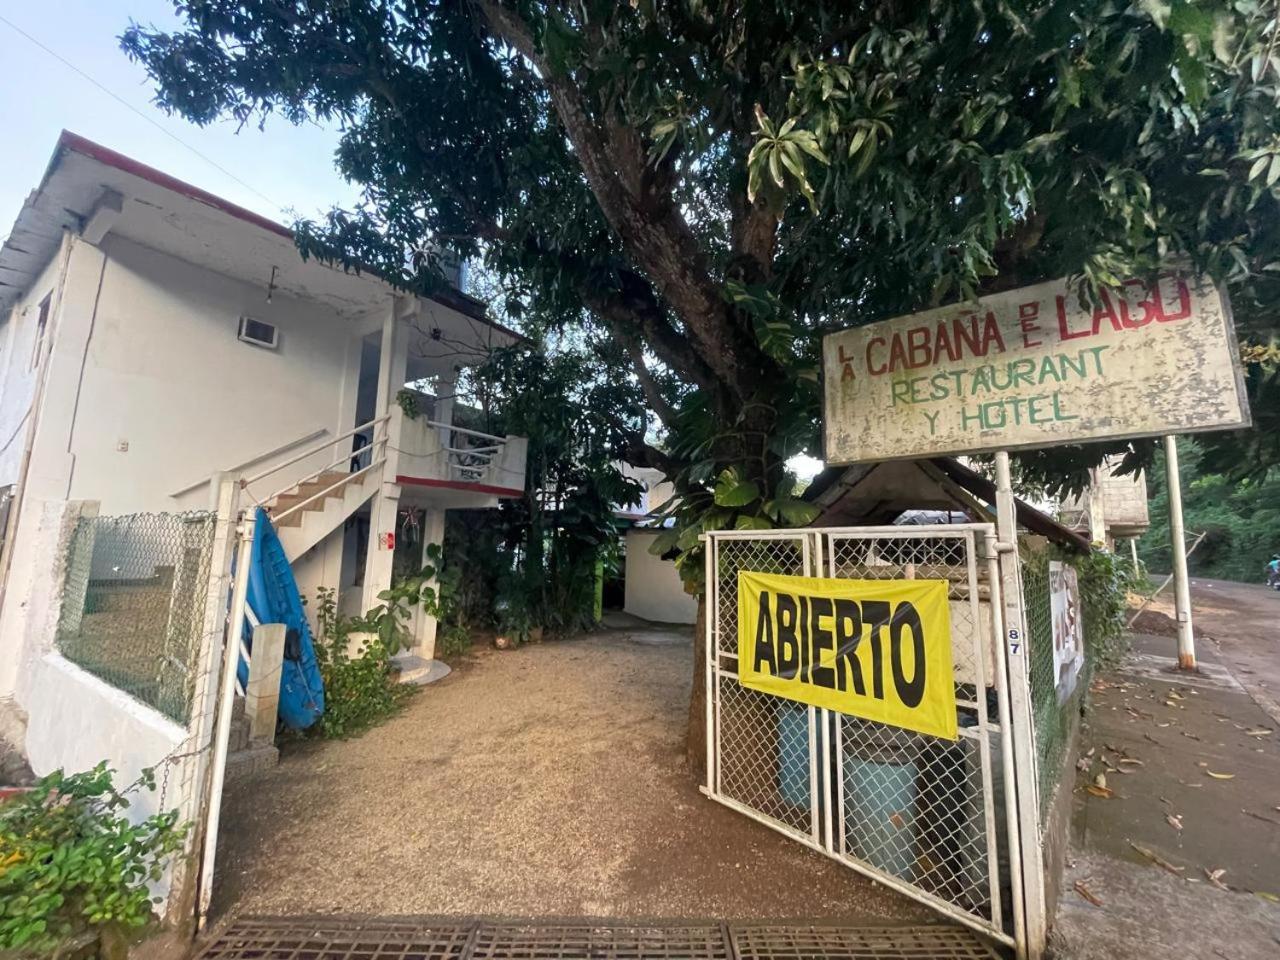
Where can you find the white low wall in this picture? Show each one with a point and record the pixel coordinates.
(654, 590)
(82, 721)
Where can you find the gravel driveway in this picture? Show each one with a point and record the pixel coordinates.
(547, 781)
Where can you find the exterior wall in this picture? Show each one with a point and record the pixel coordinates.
(653, 587)
(17, 375)
(164, 374)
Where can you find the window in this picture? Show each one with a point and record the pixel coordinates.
(259, 333)
(42, 323)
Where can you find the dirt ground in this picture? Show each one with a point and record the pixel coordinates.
(548, 781)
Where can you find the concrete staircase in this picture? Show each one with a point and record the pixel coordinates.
(302, 529)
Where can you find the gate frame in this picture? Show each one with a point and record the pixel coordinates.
(1009, 675)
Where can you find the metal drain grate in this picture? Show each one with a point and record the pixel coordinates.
(858, 943)
(556, 941)
(343, 938)
(336, 938)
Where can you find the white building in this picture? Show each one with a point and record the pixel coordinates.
(653, 588)
(155, 339)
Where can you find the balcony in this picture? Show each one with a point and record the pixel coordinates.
(441, 465)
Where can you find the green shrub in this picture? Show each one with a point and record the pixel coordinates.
(359, 692)
(72, 864)
(1105, 581)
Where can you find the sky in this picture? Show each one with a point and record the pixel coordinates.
(276, 172)
(279, 172)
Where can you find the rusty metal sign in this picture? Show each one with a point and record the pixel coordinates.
(1034, 367)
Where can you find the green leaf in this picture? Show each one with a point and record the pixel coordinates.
(798, 513)
(731, 491)
(753, 523)
(663, 542)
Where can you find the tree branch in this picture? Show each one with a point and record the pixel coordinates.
(649, 224)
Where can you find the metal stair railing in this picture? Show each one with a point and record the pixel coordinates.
(352, 458)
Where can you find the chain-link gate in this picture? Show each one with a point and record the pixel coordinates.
(932, 818)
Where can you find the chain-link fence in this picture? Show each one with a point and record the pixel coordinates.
(919, 811)
(1055, 706)
(134, 603)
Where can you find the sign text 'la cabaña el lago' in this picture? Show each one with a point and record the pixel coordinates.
(1038, 366)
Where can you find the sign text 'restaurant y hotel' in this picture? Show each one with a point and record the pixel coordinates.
(1038, 366)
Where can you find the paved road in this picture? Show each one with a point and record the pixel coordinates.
(1243, 621)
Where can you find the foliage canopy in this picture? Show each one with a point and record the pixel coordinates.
(714, 183)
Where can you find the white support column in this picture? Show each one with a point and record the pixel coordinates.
(1178, 544)
(1035, 923)
(424, 626)
(446, 388)
(393, 364)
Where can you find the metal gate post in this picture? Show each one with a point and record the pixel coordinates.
(226, 695)
(1024, 753)
(200, 722)
(710, 618)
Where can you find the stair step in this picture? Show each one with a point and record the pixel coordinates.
(323, 482)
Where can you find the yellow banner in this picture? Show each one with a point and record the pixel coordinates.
(876, 649)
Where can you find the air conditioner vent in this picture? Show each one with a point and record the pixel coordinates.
(259, 333)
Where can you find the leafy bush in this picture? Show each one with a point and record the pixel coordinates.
(359, 692)
(72, 864)
(1105, 582)
(1240, 518)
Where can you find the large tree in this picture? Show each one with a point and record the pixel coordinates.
(716, 182)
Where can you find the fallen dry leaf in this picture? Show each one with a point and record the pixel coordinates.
(1174, 821)
(1104, 792)
(1221, 776)
(1158, 860)
(1215, 877)
(1100, 781)
(1259, 732)
(1267, 896)
(1085, 892)
(1134, 760)
(1261, 816)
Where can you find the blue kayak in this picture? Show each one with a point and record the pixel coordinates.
(274, 598)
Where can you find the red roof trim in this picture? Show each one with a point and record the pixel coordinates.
(460, 485)
(455, 300)
(96, 151)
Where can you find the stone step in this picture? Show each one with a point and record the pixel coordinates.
(419, 671)
(251, 761)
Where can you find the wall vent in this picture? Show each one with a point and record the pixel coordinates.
(259, 333)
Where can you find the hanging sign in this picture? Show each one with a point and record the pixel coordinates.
(876, 649)
(1035, 367)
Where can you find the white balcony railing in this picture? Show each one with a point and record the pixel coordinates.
(431, 450)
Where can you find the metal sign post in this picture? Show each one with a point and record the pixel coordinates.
(1178, 545)
(1024, 750)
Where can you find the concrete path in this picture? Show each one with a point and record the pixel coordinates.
(548, 781)
(1181, 849)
